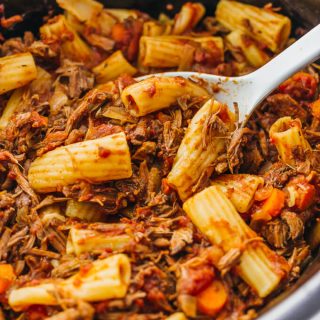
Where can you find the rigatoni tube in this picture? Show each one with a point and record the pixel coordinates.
(266, 26)
(201, 146)
(16, 71)
(122, 14)
(157, 93)
(104, 22)
(153, 28)
(99, 160)
(188, 17)
(12, 106)
(51, 214)
(216, 217)
(98, 237)
(104, 279)
(84, 10)
(254, 54)
(112, 67)
(72, 46)
(87, 211)
(286, 133)
(177, 316)
(167, 51)
(239, 188)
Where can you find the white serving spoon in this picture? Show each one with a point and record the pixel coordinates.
(249, 90)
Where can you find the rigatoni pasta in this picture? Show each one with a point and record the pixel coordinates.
(239, 188)
(188, 17)
(253, 53)
(177, 316)
(16, 71)
(200, 147)
(104, 22)
(12, 106)
(72, 46)
(51, 214)
(167, 51)
(105, 279)
(84, 10)
(113, 67)
(98, 238)
(86, 211)
(97, 160)
(153, 28)
(213, 213)
(266, 26)
(287, 135)
(122, 14)
(157, 93)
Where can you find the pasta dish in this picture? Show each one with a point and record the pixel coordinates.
(146, 199)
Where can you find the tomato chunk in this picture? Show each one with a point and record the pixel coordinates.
(301, 86)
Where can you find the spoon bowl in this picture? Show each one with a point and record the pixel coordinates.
(249, 90)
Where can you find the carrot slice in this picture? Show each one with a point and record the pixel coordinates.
(119, 33)
(212, 299)
(274, 204)
(315, 108)
(306, 195)
(6, 277)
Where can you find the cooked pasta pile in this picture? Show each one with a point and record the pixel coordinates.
(126, 199)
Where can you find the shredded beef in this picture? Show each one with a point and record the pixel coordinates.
(284, 105)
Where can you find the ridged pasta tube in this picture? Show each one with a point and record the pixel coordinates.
(112, 67)
(97, 238)
(286, 133)
(215, 216)
(239, 188)
(104, 279)
(87, 211)
(72, 46)
(50, 214)
(103, 22)
(40, 84)
(266, 26)
(157, 93)
(253, 53)
(167, 51)
(83, 10)
(74, 22)
(177, 316)
(123, 14)
(188, 17)
(153, 28)
(201, 146)
(12, 106)
(16, 71)
(99, 160)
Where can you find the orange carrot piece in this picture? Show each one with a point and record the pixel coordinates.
(119, 33)
(212, 299)
(274, 204)
(315, 108)
(6, 277)
(306, 195)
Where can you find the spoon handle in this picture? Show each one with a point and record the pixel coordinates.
(301, 53)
